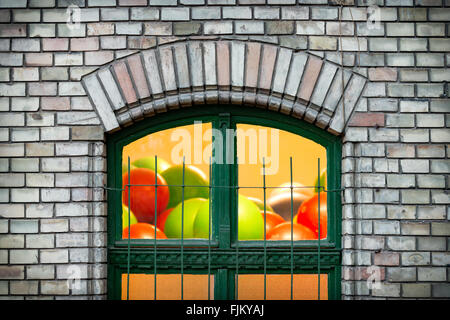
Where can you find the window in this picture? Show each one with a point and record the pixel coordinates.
(213, 244)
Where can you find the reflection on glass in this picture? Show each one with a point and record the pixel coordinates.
(145, 204)
(264, 157)
(278, 287)
(168, 287)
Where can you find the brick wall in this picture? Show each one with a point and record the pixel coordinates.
(395, 156)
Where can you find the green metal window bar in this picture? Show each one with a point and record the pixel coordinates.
(301, 257)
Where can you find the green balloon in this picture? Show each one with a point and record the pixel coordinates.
(125, 217)
(173, 225)
(201, 223)
(149, 163)
(192, 177)
(251, 221)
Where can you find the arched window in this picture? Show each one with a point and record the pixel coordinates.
(223, 172)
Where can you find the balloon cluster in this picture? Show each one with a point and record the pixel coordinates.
(143, 204)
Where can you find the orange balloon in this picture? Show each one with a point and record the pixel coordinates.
(142, 230)
(143, 194)
(308, 214)
(272, 220)
(283, 232)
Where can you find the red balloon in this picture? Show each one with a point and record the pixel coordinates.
(272, 220)
(283, 232)
(143, 231)
(161, 218)
(143, 197)
(308, 215)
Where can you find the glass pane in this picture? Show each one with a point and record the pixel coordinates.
(191, 142)
(278, 287)
(168, 287)
(273, 147)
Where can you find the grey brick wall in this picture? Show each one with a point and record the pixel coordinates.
(395, 166)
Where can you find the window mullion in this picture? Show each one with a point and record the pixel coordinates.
(222, 180)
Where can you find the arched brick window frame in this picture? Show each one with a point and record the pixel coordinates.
(182, 74)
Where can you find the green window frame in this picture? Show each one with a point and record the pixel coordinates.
(223, 256)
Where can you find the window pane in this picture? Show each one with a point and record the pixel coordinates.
(191, 142)
(278, 287)
(168, 287)
(274, 147)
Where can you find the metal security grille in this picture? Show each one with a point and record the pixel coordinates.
(222, 258)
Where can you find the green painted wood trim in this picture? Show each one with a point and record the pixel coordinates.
(224, 231)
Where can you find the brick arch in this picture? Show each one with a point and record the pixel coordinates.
(188, 73)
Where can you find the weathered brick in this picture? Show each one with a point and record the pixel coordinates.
(12, 272)
(383, 44)
(279, 27)
(440, 135)
(25, 74)
(310, 27)
(12, 149)
(401, 274)
(65, 31)
(415, 228)
(430, 29)
(24, 226)
(413, 14)
(54, 287)
(24, 134)
(387, 290)
(322, 43)
(400, 120)
(74, 239)
(42, 30)
(400, 181)
(55, 164)
(13, 30)
(222, 27)
(416, 290)
(386, 258)
(249, 27)
(55, 195)
(84, 44)
(114, 14)
(57, 44)
(11, 241)
(267, 13)
(56, 103)
(39, 180)
(415, 258)
(54, 225)
(39, 149)
(40, 272)
(38, 59)
(400, 29)
(100, 28)
(383, 74)
(431, 243)
(12, 89)
(383, 104)
(145, 13)
(54, 256)
(23, 256)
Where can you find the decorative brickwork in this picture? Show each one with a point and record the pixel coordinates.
(250, 73)
(63, 87)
